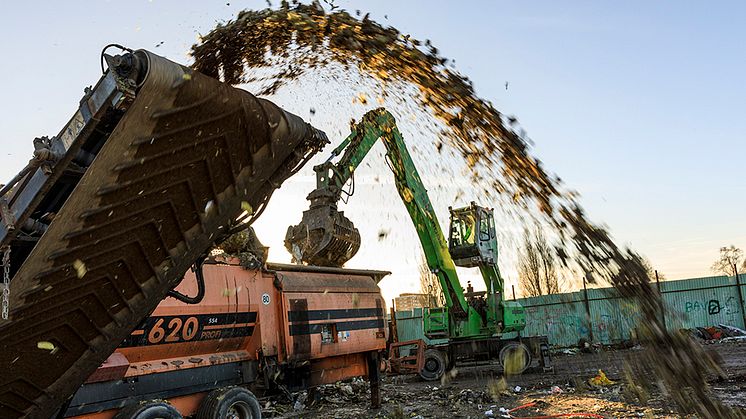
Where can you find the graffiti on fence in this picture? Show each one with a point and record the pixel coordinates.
(688, 303)
(565, 324)
(602, 323)
(614, 320)
(713, 306)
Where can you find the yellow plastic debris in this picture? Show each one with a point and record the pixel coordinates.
(49, 346)
(600, 380)
(80, 268)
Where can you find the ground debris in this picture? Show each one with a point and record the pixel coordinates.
(719, 333)
(473, 395)
(600, 380)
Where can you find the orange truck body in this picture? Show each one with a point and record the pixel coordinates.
(285, 325)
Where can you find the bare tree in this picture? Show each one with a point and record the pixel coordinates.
(430, 286)
(529, 269)
(538, 267)
(730, 257)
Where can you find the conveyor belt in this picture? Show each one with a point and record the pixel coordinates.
(184, 160)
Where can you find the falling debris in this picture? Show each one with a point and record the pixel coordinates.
(245, 246)
(209, 206)
(302, 37)
(47, 346)
(80, 268)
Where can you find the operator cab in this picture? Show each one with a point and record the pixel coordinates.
(472, 241)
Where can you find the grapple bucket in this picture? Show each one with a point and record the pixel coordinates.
(324, 237)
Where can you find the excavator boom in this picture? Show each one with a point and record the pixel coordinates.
(326, 237)
(323, 225)
(153, 168)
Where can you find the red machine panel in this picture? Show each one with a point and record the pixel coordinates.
(328, 314)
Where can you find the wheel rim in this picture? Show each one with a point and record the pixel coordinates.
(431, 365)
(239, 410)
(515, 359)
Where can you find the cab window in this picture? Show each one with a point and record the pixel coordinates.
(484, 229)
(463, 231)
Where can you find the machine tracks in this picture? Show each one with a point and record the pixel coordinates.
(180, 166)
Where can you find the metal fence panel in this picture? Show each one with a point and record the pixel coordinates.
(409, 326)
(700, 305)
(613, 320)
(564, 319)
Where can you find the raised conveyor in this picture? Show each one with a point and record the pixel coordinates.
(181, 155)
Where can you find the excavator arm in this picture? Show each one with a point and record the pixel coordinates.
(323, 236)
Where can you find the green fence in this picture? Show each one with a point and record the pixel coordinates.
(602, 316)
(409, 327)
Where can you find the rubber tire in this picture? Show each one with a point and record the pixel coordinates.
(218, 402)
(434, 365)
(154, 409)
(511, 348)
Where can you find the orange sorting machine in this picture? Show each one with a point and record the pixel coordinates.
(285, 326)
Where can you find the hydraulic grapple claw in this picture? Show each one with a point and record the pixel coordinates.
(324, 237)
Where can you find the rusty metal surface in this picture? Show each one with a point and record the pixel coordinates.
(171, 176)
(377, 275)
(326, 282)
(410, 363)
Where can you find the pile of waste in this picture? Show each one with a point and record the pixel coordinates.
(245, 246)
(348, 393)
(470, 396)
(719, 333)
(355, 391)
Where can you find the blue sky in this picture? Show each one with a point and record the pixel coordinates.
(637, 105)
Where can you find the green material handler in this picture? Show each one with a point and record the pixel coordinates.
(473, 325)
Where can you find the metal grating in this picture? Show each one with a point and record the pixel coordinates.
(171, 176)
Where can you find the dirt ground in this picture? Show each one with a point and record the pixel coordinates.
(481, 391)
